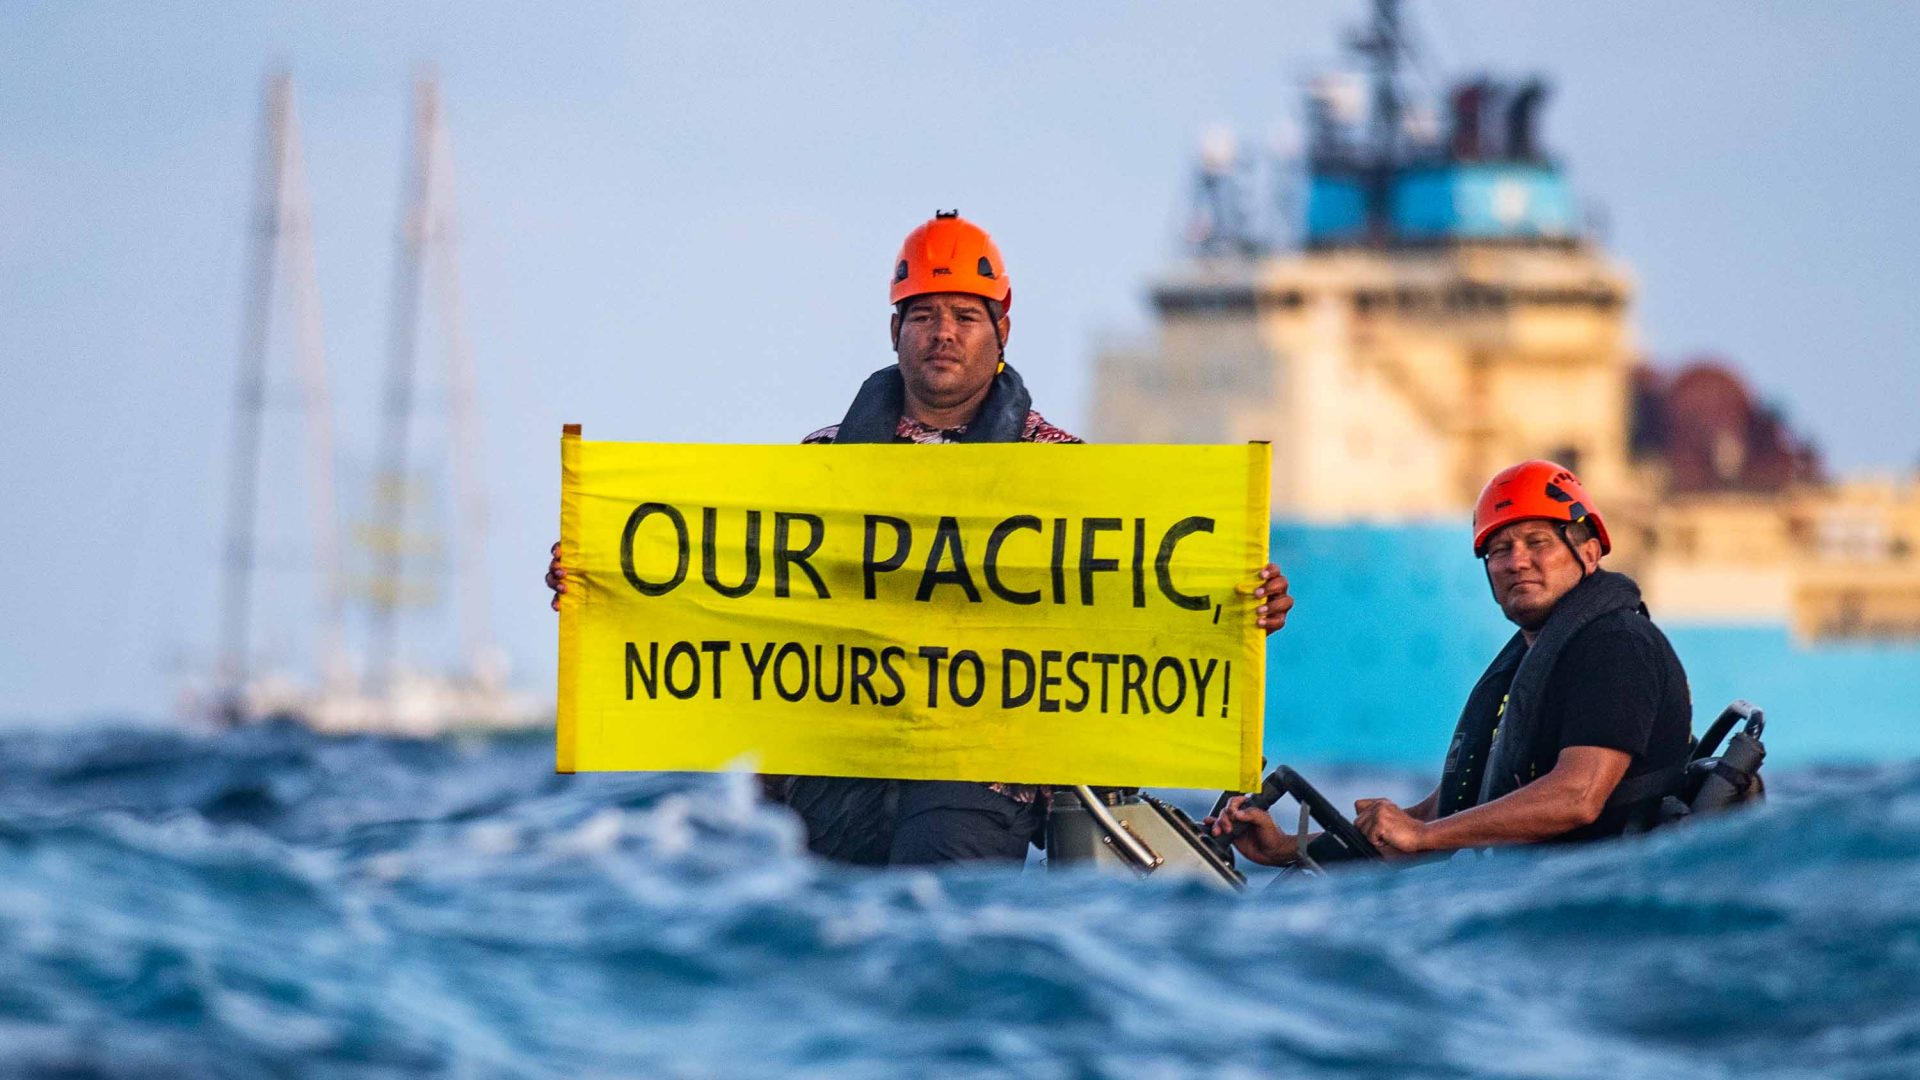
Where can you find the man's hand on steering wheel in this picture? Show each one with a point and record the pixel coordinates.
(1395, 832)
(1254, 833)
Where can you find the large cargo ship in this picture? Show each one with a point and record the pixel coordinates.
(1443, 308)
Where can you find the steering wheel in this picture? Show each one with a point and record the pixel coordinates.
(1284, 781)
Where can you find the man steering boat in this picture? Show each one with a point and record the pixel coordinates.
(1580, 725)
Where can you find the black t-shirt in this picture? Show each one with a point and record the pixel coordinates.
(1618, 685)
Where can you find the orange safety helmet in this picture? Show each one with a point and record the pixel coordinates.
(1534, 490)
(950, 254)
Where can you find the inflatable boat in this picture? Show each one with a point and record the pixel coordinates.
(1127, 831)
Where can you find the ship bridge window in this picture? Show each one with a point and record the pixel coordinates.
(1853, 536)
(1203, 301)
(1475, 297)
(1598, 298)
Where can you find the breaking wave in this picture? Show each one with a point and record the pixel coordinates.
(270, 902)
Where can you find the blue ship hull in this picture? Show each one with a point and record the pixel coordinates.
(1395, 623)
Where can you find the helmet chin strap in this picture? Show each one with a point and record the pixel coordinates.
(1578, 559)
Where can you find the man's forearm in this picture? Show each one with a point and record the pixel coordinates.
(1539, 811)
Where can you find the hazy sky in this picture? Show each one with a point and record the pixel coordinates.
(678, 220)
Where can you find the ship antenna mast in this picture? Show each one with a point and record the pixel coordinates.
(1384, 45)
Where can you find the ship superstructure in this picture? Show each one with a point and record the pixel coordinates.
(1443, 314)
(1444, 308)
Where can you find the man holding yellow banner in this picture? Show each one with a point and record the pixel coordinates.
(919, 642)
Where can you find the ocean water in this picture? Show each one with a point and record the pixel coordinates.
(274, 903)
(269, 902)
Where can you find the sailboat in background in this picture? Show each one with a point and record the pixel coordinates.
(392, 693)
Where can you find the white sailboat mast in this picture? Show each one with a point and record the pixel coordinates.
(427, 244)
(281, 228)
(316, 407)
(473, 606)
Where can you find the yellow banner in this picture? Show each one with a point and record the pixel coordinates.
(1016, 612)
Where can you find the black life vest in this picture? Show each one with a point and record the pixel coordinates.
(1497, 739)
(876, 409)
